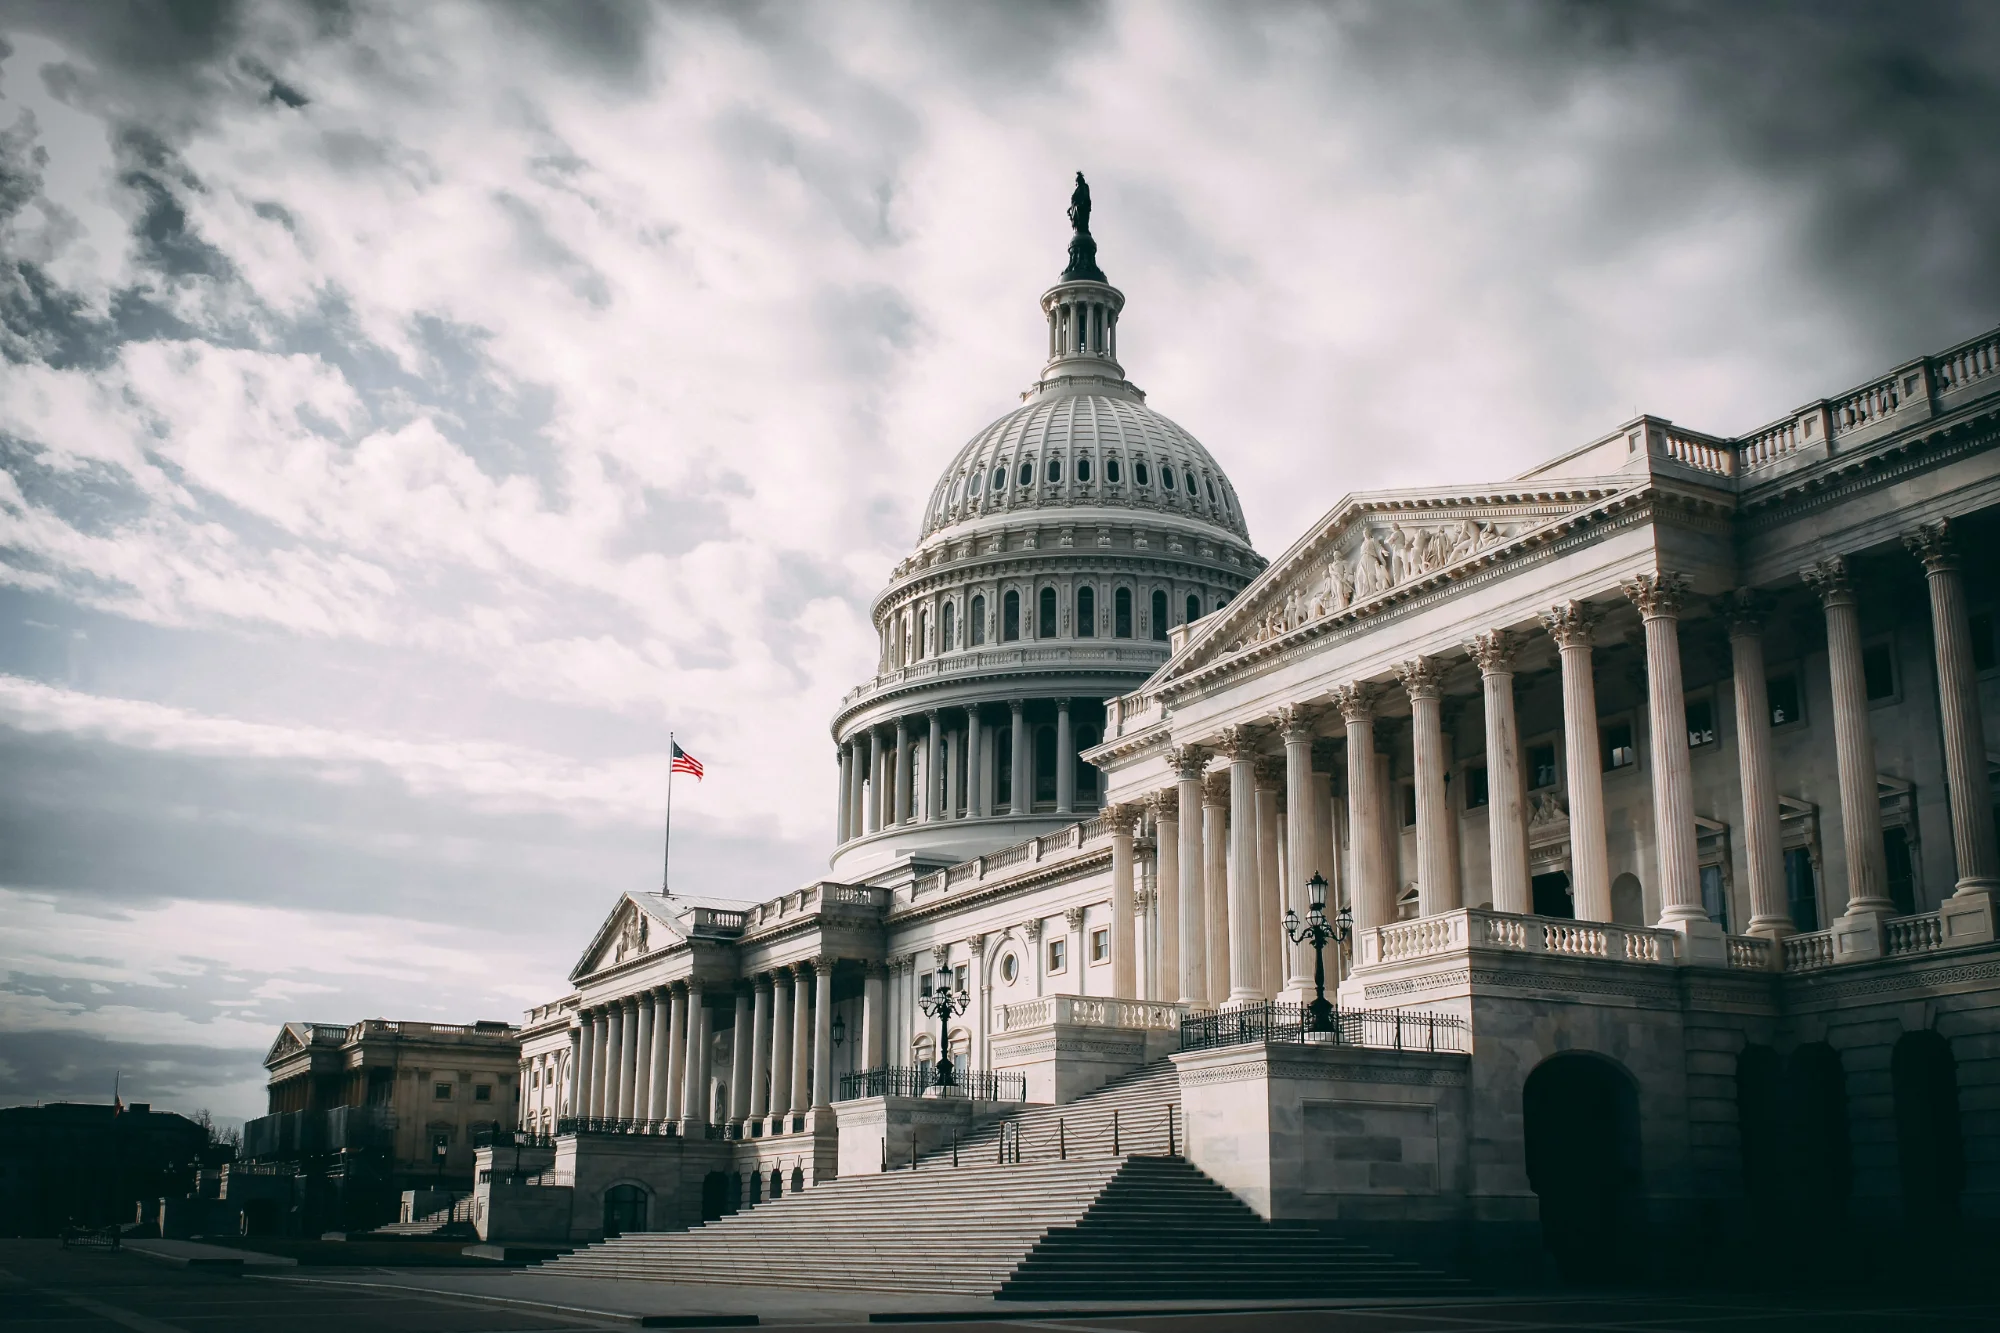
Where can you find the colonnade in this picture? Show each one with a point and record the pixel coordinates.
(1220, 898)
(955, 750)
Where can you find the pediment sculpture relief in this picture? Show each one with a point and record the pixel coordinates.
(632, 937)
(1378, 559)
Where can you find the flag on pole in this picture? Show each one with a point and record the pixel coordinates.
(686, 763)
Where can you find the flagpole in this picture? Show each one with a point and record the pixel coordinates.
(667, 858)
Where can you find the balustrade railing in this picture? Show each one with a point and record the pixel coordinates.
(1426, 936)
(1083, 1011)
(590, 1124)
(1812, 950)
(1922, 933)
(979, 1085)
(1701, 454)
(1867, 406)
(495, 1137)
(1379, 1029)
(1964, 365)
(1752, 953)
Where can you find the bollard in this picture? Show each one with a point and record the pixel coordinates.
(885, 1152)
(1114, 1131)
(1062, 1143)
(954, 1145)
(1170, 1131)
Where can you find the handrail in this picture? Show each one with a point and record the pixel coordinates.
(1378, 1029)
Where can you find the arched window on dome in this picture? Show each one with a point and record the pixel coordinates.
(1211, 489)
(1000, 479)
(1026, 477)
(1010, 616)
(1086, 612)
(1189, 479)
(1167, 476)
(1159, 615)
(1121, 614)
(1053, 473)
(1083, 468)
(1045, 619)
(1193, 608)
(948, 623)
(975, 628)
(1111, 470)
(1139, 474)
(923, 634)
(977, 478)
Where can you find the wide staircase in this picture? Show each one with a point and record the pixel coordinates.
(1063, 1218)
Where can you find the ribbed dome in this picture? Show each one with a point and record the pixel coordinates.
(1064, 450)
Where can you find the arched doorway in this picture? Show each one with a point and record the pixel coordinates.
(1581, 1115)
(624, 1209)
(1818, 1169)
(714, 1195)
(1760, 1129)
(1929, 1146)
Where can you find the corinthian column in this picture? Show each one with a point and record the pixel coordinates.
(1302, 839)
(617, 1084)
(1065, 760)
(1188, 763)
(1270, 881)
(1246, 967)
(642, 1048)
(1165, 983)
(583, 1072)
(1021, 789)
(1374, 900)
(1868, 902)
(1966, 781)
(694, 1083)
(1122, 820)
(933, 768)
(741, 1042)
(1763, 850)
(874, 810)
(822, 1065)
(1659, 597)
(976, 794)
(802, 1033)
(1215, 794)
(677, 1021)
(844, 758)
(1572, 626)
(902, 779)
(760, 1049)
(782, 990)
(1506, 812)
(1434, 879)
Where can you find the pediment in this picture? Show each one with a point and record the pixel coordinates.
(290, 1042)
(1374, 549)
(640, 924)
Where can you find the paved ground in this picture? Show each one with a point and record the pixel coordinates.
(43, 1287)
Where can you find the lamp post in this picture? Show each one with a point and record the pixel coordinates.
(941, 1004)
(1319, 1014)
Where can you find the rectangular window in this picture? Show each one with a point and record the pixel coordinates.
(1902, 870)
(1784, 699)
(1984, 656)
(1801, 894)
(441, 1091)
(1475, 786)
(1409, 805)
(1541, 766)
(924, 986)
(482, 1092)
(1100, 945)
(1878, 669)
(1618, 748)
(1701, 723)
(1058, 955)
(535, 1078)
(959, 977)
(1713, 900)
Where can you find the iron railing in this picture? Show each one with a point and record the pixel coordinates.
(591, 1124)
(979, 1085)
(496, 1137)
(1384, 1029)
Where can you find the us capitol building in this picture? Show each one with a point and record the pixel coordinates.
(1652, 790)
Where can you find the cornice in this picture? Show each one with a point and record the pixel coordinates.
(1040, 876)
(1807, 492)
(1112, 561)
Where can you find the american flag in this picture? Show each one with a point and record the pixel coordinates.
(686, 763)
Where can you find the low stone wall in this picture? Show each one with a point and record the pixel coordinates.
(875, 1130)
(1067, 1060)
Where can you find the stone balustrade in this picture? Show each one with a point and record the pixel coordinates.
(1754, 953)
(1808, 951)
(1922, 933)
(1083, 1011)
(1474, 927)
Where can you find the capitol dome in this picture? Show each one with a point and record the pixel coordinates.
(1058, 555)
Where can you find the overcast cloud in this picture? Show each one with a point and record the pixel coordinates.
(411, 412)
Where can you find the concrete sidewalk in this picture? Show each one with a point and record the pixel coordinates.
(194, 1254)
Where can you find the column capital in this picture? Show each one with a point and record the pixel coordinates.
(1017, 705)
(1357, 701)
(1215, 789)
(1935, 544)
(931, 715)
(1657, 595)
(1270, 771)
(875, 969)
(902, 729)
(1744, 611)
(1494, 651)
(976, 944)
(1295, 722)
(1571, 624)
(1189, 762)
(1143, 899)
(1831, 579)
(763, 983)
(1062, 704)
(1073, 917)
(1239, 743)
(1120, 819)
(941, 955)
(1165, 805)
(1032, 928)
(1420, 678)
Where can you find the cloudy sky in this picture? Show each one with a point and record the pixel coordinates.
(411, 412)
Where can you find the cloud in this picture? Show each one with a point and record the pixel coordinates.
(410, 413)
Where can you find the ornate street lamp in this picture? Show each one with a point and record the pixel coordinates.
(941, 1004)
(839, 1030)
(1319, 1014)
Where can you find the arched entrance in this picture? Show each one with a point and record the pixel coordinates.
(1760, 1128)
(1581, 1116)
(624, 1209)
(1818, 1169)
(1929, 1146)
(714, 1196)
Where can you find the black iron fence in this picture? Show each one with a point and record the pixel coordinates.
(1383, 1029)
(979, 1085)
(495, 1137)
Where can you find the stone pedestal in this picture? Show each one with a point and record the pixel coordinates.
(875, 1131)
(1069, 1045)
